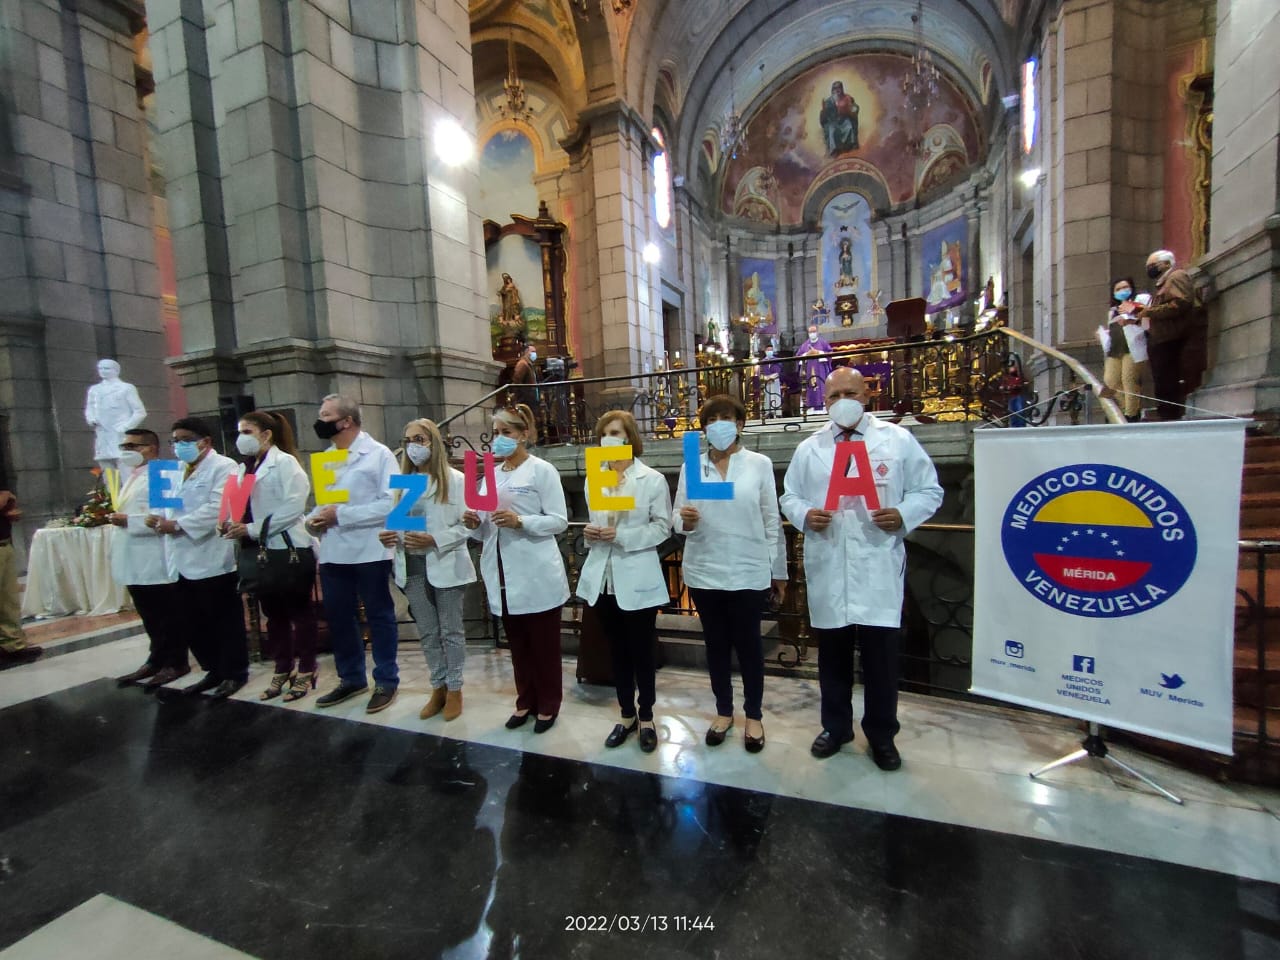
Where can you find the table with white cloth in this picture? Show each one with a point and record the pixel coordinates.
(69, 572)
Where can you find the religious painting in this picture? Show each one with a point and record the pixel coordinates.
(759, 294)
(944, 265)
(848, 262)
(506, 177)
(517, 303)
(847, 113)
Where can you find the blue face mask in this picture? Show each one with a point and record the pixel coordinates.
(504, 446)
(186, 450)
(1123, 295)
(722, 434)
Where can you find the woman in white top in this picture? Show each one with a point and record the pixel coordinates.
(521, 564)
(734, 559)
(1124, 349)
(280, 491)
(434, 566)
(622, 579)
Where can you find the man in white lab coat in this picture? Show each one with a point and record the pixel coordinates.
(208, 607)
(854, 560)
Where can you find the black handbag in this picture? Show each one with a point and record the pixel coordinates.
(265, 572)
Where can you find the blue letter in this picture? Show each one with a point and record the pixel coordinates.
(414, 486)
(695, 487)
(158, 485)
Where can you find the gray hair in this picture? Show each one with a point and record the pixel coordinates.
(1163, 256)
(347, 407)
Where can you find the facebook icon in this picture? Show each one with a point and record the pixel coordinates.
(1081, 664)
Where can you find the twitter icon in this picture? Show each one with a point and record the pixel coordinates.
(1171, 681)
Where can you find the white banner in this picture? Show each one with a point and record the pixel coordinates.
(1105, 577)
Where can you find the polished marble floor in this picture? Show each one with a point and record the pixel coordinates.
(285, 831)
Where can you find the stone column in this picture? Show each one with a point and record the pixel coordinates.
(77, 245)
(1243, 263)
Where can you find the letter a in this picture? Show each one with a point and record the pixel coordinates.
(863, 484)
(470, 495)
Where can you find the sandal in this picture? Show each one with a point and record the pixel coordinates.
(276, 686)
(300, 684)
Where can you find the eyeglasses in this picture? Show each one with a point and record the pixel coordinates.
(405, 441)
(134, 446)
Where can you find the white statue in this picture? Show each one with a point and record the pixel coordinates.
(111, 407)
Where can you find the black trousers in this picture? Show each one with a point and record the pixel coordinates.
(879, 646)
(155, 605)
(1166, 377)
(731, 624)
(631, 642)
(211, 615)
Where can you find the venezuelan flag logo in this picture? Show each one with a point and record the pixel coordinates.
(1097, 540)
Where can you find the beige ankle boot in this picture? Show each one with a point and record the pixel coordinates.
(434, 705)
(453, 705)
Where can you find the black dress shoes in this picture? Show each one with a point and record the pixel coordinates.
(828, 744)
(343, 691)
(542, 726)
(226, 688)
(753, 744)
(886, 756)
(648, 739)
(166, 675)
(716, 737)
(517, 720)
(142, 673)
(618, 735)
(207, 682)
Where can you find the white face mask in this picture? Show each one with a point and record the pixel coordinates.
(533, 355)
(813, 338)
(248, 444)
(722, 434)
(613, 441)
(130, 458)
(418, 453)
(846, 412)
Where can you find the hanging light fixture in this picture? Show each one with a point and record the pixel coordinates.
(583, 7)
(919, 83)
(517, 105)
(733, 131)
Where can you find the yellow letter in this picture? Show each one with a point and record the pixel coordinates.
(323, 478)
(598, 478)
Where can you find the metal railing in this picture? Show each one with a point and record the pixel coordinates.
(1256, 683)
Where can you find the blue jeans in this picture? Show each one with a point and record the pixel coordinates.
(344, 584)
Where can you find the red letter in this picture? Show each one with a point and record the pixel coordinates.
(235, 495)
(471, 495)
(863, 484)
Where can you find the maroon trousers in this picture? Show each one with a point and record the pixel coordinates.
(535, 659)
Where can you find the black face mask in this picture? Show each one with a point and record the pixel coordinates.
(1154, 270)
(327, 429)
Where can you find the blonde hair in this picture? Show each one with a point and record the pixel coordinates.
(629, 427)
(520, 417)
(437, 467)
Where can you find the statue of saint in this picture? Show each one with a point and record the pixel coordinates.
(512, 316)
(839, 120)
(846, 261)
(111, 407)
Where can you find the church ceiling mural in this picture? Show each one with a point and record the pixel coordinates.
(847, 114)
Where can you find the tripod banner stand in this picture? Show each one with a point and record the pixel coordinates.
(1105, 576)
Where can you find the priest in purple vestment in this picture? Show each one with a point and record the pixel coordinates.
(814, 370)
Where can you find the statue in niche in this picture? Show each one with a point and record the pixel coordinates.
(839, 120)
(846, 261)
(111, 407)
(512, 315)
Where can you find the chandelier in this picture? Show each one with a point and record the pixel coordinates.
(733, 131)
(516, 106)
(920, 84)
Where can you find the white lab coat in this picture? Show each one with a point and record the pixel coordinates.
(531, 562)
(448, 562)
(737, 544)
(631, 559)
(366, 476)
(854, 570)
(280, 490)
(138, 552)
(112, 407)
(199, 552)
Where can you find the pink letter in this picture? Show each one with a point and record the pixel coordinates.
(472, 496)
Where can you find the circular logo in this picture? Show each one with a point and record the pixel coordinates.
(1096, 540)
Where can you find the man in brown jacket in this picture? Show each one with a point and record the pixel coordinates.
(1171, 317)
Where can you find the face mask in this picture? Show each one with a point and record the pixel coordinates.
(846, 412)
(813, 338)
(418, 453)
(504, 446)
(130, 458)
(1123, 295)
(248, 444)
(722, 434)
(533, 355)
(768, 354)
(1154, 270)
(187, 450)
(327, 429)
(613, 441)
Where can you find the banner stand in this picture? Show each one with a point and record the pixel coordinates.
(1094, 746)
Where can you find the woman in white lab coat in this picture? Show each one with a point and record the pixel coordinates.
(434, 566)
(280, 491)
(521, 564)
(734, 561)
(622, 579)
